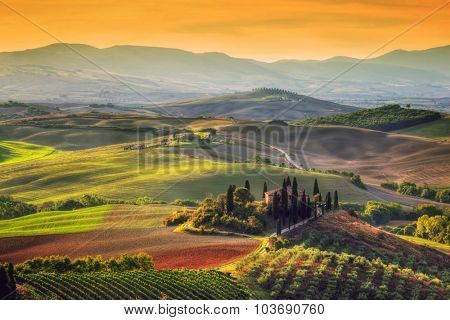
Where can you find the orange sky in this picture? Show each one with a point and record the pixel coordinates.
(261, 29)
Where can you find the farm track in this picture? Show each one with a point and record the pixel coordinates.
(169, 250)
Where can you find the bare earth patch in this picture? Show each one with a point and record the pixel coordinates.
(168, 249)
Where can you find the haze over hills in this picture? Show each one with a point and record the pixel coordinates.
(58, 74)
(257, 104)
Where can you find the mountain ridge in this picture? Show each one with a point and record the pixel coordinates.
(56, 73)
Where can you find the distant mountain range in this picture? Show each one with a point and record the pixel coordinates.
(143, 75)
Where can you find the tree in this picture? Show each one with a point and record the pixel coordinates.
(303, 208)
(316, 188)
(242, 196)
(336, 200)
(278, 227)
(264, 190)
(328, 201)
(247, 185)
(230, 201)
(276, 206)
(221, 203)
(4, 290)
(308, 207)
(12, 282)
(284, 202)
(288, 182)
(294, 202)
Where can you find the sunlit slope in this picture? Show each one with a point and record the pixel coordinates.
(436, 129)
(114, 173)
(89, 130)
(14, 151)
(117, 216)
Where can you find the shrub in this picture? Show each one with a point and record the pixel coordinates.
(433, 228)
(185, 202)
(69, 204)
(58, 264)
(91, 200)
(356, 180)
(443, 196)
(10, 208)
(390, 185)
(177, 218)
(381, 213)
(408, 188)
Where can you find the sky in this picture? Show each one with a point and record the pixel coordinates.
(259, 29)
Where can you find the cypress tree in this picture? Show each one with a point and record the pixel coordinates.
(4, 290)
(328, 207)
(336, 200)
(278, 227)
(233, 188)
(284, 202)
(230, 200)
(308, 207)
(247, 185)
(288, 182)
(264, 190)
(12, 282)
(303, 209)
(294, 203)
(276, 206)
(316, 188)
(320, 197)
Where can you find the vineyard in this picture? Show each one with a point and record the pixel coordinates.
(126, 285)
(310, 273)
(341, 233)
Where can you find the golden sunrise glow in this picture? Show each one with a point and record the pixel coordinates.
(266, 30)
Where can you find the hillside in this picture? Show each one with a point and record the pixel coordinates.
(13, 151)
(93, 129)
(258, 104)
(387, 118)
(115, 173)
(57, 74)
(340, 257)
(439, 129)
(377, 156)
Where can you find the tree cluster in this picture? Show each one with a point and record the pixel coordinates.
(290, 206)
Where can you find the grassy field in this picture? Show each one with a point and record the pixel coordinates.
(90, 130)
(116, 216)
(14, 151)
(435, 129)
(55, 222)
(428, 243)
(114, 173)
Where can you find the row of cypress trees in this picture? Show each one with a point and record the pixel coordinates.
(300, 207)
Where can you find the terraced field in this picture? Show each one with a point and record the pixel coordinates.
(134, 285)
(15, 151)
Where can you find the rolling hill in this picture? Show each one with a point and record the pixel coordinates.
(258, 104)
(340, 257)
(57, 74)
(386, 118)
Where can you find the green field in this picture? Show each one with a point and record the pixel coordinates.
(435, 129)
(428, 243)
(87, 219)
(55, 222)
(114, 173)
(14, 151)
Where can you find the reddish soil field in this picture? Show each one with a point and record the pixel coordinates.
(168, 249)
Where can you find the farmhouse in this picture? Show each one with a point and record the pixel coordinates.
(268, 196)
